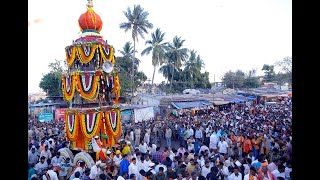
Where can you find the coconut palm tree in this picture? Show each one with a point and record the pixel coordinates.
(190, 66)
(123, 64)
(199, 63)
(176, 54)
(158, 48)
(126, 57)
(166, 70)
(138, 23)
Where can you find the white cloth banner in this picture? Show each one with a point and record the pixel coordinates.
(143, 114)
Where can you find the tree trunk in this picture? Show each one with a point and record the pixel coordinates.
(132, 75)
(154, 71)
(192, 80)
(172, 77)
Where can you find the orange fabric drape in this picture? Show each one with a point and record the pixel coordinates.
(247, 145)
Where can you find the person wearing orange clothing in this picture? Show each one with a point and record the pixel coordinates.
(252, 175)
(265, 174)
(97, 145)
(247, 146)
(233, 137)
(240, 141)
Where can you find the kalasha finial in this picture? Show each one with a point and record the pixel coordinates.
(89, 4)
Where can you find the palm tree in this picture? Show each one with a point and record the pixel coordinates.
(126, 57)
(158, 48)
(176, 55)
(199, 63)
(191, 66)
(165, 70)
(139, 24)
(123, 64)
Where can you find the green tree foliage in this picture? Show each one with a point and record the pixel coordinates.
(251, 82)
(158, 49)
(123, 65)
(285, 75)
(269, 73)
(239, 79)
(285, 64)
(138, 23)
(51, 82)
(190, 77)
(176, 55)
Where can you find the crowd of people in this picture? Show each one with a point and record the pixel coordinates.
(237, 143)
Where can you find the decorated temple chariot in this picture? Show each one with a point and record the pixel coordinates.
(91, 86)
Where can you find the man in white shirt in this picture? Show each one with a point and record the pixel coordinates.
(133, 167)
(253, 173)
(141, 175)
(181, 150)
(117, 158)
(51, 143)
(65, 169)
(131, 136)
(198, 135)
(56, 159)
(280, 172)
(213, 141)
(274, 165)
(137, 133)
(205, 170)
(139, 162)
(251, 156)
(236, 175)
(146, 138)
(80, 169)
(223, 145)
(168, 136)
(146, 163)
(203, 148)
(191, 132)
(158, 165)
(42, 165)
(46, 153)
(95, 170)
(143, 147)
(50, 175)
(288, 170)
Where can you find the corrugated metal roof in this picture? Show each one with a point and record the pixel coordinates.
(184, 105)
(47, 104)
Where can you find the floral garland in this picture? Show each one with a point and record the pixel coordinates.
(92, 110)
(107, 53)
(68, 87)
(104, 123)
(116, 87)
(113, 123)
(90, 124)
(89, 92)
(71, 55)
(71, 125)
(86, 53)
(111, 141)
